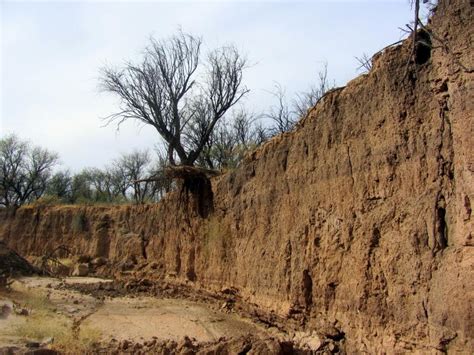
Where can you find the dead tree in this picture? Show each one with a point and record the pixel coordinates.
(233, 137)
(163, 91)
(135, 165)
(365, 63)
(421, 39)
(24, 171)
(281, 114)
(284, 115)
(307, 99)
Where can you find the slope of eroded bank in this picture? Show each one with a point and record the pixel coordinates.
(359, 220)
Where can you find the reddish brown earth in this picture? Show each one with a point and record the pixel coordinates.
(359, 222)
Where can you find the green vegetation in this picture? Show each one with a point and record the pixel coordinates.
(213, 132)
(47, 200)
(24, 171)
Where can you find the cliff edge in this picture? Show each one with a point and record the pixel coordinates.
(359, 220)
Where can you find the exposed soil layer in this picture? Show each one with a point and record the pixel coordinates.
(356, 224)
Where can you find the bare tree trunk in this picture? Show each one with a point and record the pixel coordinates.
(415, 25)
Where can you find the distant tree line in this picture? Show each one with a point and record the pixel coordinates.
(28, 172)
(115, 183)
(197, 117)
(25, 171)
(186, 97)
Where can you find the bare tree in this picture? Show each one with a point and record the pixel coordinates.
(260, 134)
(24, 171)
(163, 91)
(248, 132)
(119, 180)
(135, 165)
(217, 147)
(232, 138)
(161, 184)
(60, 185)
(281, 114)
(285, 115)
(81, 187)
(365, 63)
(307, 99)
(243, 127)
(102, 182)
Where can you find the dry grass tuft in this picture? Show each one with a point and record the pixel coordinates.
(80, 343)
(44, 323)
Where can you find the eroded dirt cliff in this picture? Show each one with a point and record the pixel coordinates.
(359, 220)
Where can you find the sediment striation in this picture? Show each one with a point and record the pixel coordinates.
(359, 220)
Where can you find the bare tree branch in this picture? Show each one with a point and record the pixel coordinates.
(162, 91)
(365, 62)
(307, 99)
(24, 171)
(280, 113)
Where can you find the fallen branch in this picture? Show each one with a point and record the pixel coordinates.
(50, 257)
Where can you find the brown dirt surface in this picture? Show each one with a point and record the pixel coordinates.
(129, 322)
(356, 226)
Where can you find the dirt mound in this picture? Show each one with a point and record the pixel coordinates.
(240, 345)
(13, 264)
(142, 287)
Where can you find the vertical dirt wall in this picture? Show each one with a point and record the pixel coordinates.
(359, 219)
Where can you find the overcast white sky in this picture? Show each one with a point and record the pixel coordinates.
(51, 53)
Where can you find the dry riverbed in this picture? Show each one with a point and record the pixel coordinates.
(79, 315)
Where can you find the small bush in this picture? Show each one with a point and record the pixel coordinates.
(40, 325)
(80, 343)
(47, 200)
(44, 323)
